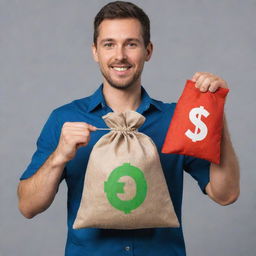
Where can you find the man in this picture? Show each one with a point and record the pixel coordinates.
(121, 47)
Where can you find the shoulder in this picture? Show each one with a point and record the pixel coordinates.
(164, 106)
(70, 112)
(72, 108)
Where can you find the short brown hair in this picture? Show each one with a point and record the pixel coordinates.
(121, 10)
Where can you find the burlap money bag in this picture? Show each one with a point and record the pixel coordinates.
(124, 186)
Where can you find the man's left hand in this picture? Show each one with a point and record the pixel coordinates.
(206, 81)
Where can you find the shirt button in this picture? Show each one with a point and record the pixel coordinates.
(127, 248)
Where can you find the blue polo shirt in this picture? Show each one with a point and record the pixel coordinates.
(98, 242)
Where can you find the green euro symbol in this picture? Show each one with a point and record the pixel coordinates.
(112, 187)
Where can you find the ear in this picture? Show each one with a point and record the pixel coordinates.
(95, 53)
(149, 51)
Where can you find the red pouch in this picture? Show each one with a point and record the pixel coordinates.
(196, 126)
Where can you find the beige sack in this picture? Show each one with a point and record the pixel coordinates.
(124, 186)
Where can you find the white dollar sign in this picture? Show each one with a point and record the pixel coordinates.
(195, 117)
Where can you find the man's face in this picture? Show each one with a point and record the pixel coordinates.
(120, 52)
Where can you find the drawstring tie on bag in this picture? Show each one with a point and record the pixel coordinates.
(121, 129)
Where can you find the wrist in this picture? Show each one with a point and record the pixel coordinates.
(57, 159)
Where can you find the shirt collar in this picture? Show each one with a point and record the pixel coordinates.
(97, 100)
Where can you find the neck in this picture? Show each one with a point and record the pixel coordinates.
(122, 100)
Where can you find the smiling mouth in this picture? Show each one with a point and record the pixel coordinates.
(121, 68)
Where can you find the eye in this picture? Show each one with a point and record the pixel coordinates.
(108, 45)
(132, 45)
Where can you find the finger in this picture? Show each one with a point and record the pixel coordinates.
(92, 128)
(205, 84)
(75, 131)
(196, 76)
(78, 139)
(75, 138)
(81, 145)
(75, 124)
(214, 86)
(81, 125)
(78, 133)
(199, 81)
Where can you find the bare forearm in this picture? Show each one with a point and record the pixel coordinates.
(225, 177)
(37, 192)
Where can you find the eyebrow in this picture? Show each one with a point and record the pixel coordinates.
(133, 39)
(127, 40)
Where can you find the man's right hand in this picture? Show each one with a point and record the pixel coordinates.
(37, 192)
(73, 136)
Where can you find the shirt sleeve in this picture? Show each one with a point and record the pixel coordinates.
(46, 144)
(199, 169)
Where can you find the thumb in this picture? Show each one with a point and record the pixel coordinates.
(92, 128)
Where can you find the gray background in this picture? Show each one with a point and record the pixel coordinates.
(45, 62)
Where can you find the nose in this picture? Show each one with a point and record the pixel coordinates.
(120, 53)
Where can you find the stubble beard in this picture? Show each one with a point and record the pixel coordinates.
(122, 86)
